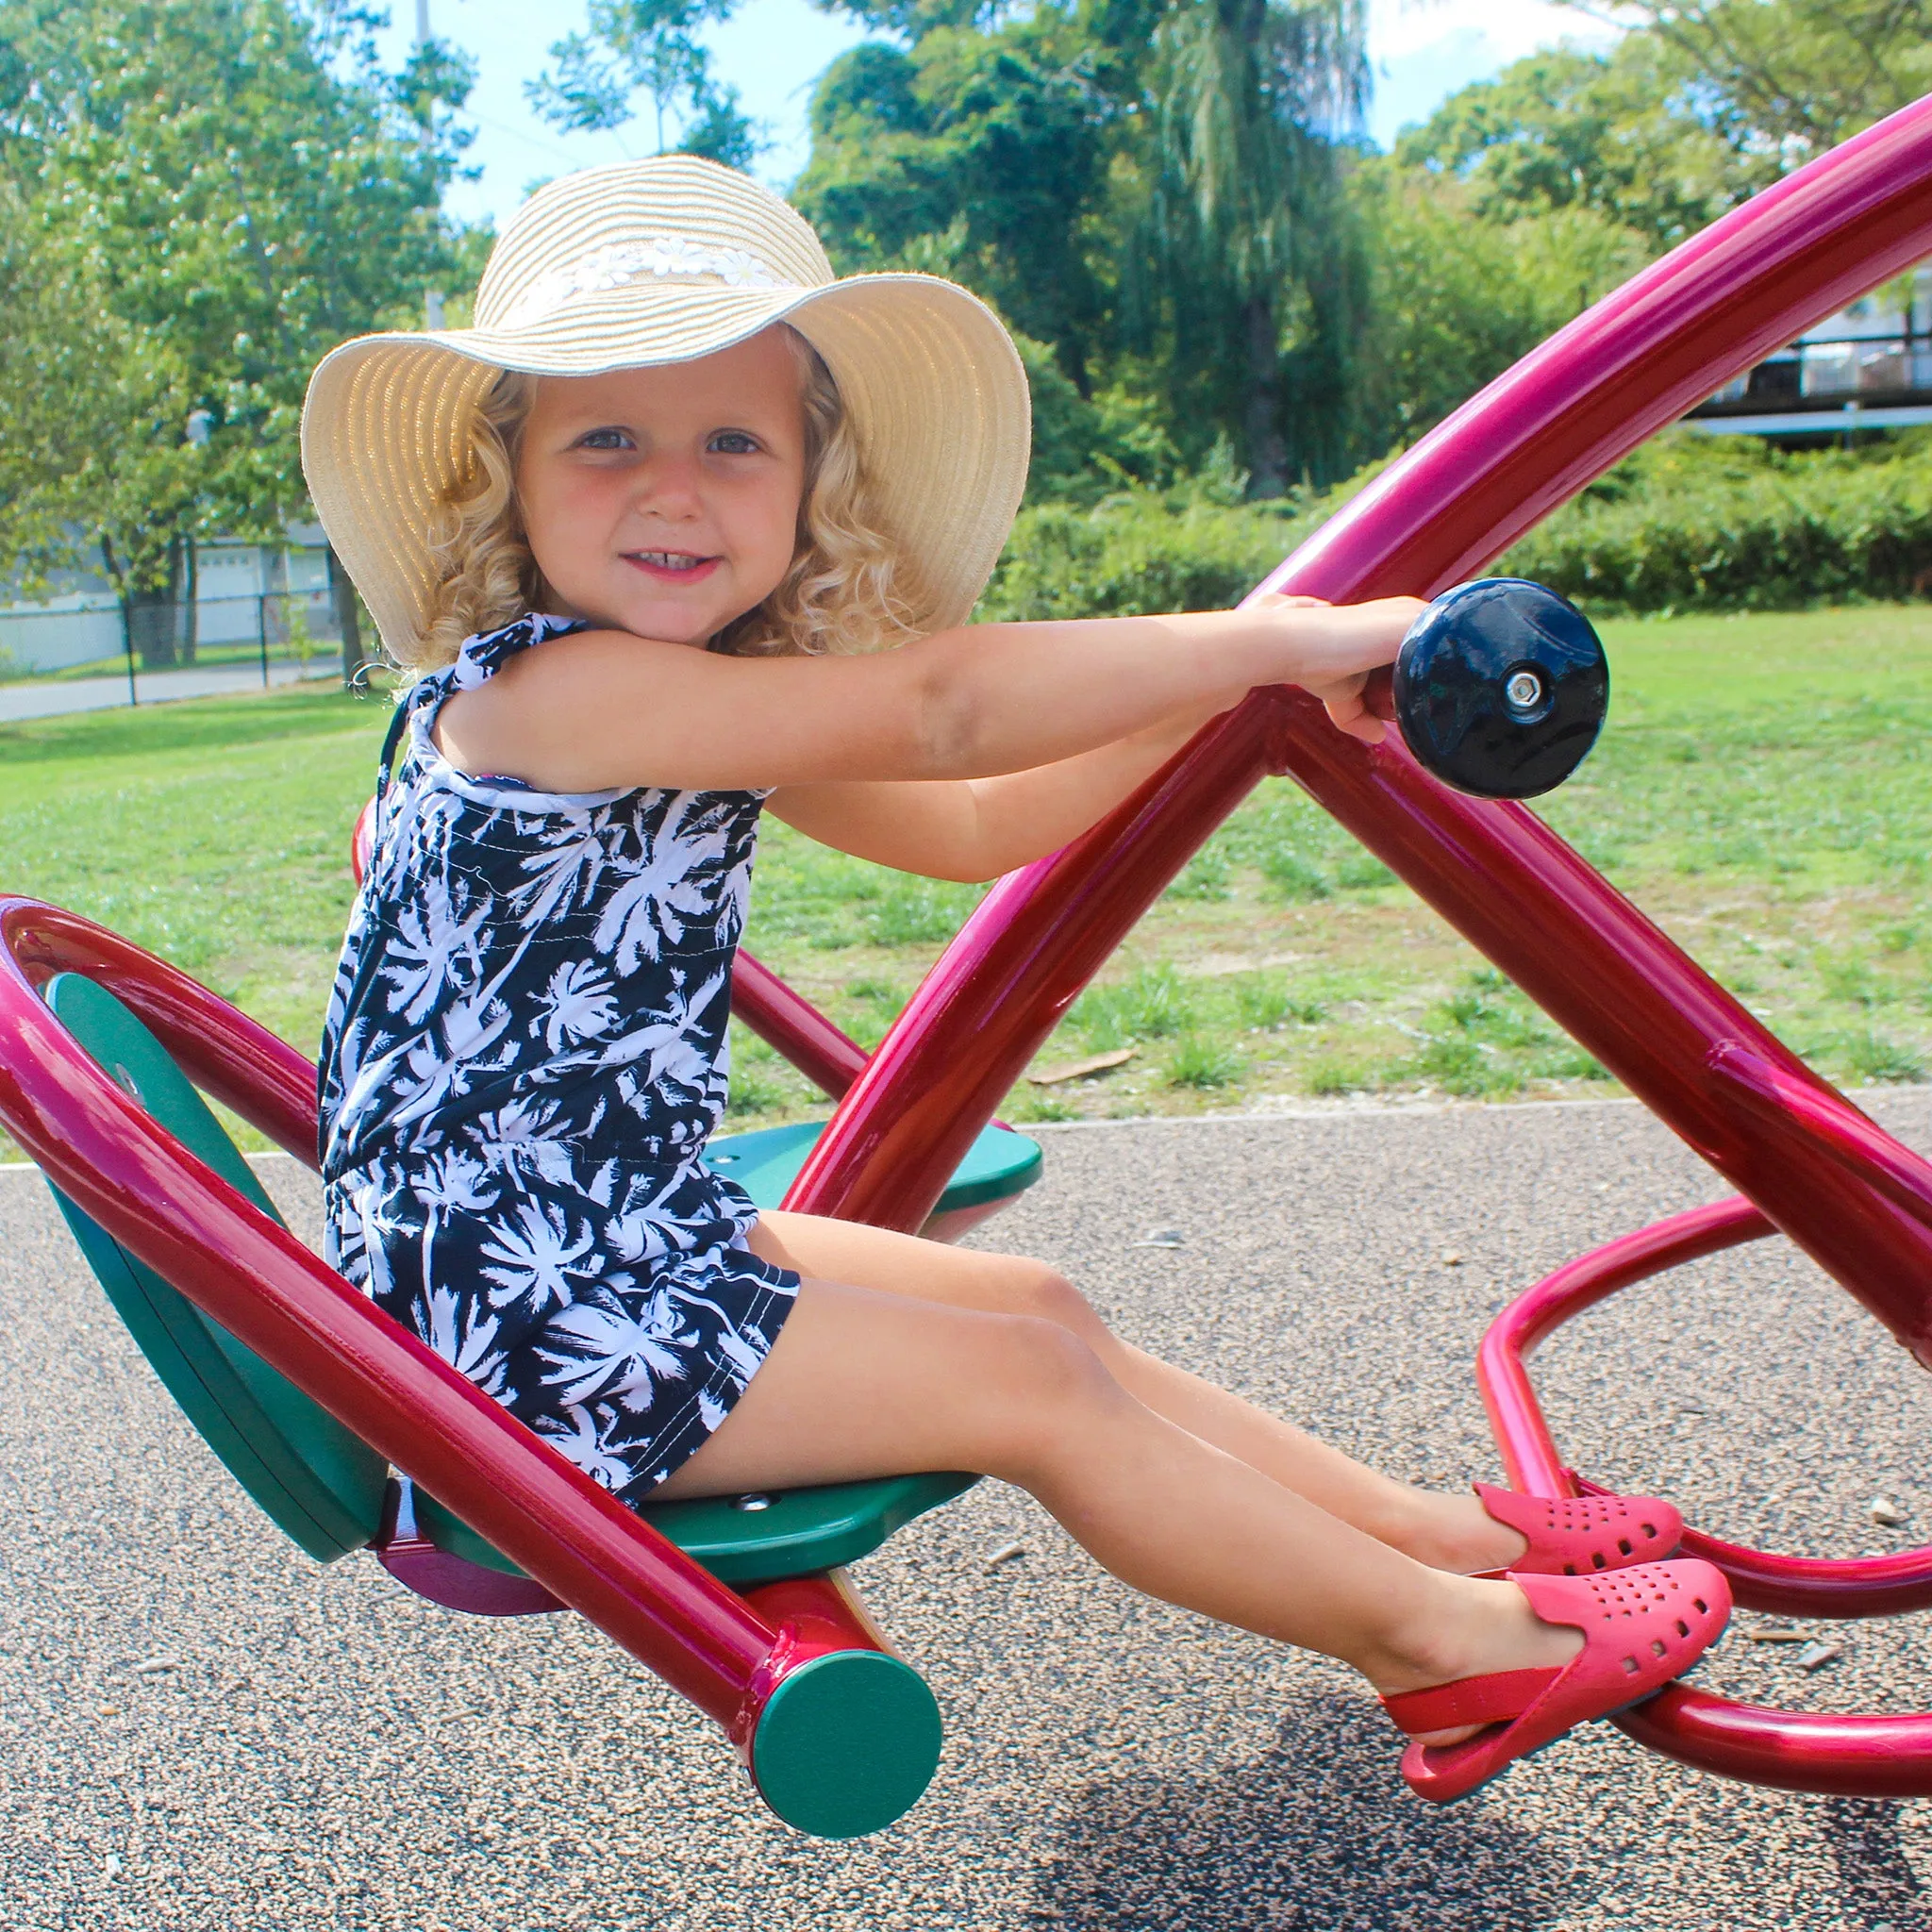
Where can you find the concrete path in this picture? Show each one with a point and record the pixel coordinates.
(314, 1748)
(19, 702)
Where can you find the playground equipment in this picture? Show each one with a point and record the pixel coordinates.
(1500, 688)
(838, 1736)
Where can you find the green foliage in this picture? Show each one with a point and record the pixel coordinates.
(197, 199)
(1612, 134)
(1153, 1004)
(1689, 522)
(1203, 1063)
(1085, 447)
(1247, 270)
(653, 47)
(1138, 552)
(1694, 522)
(1789, 77)
(1454, 298)
(972, 155)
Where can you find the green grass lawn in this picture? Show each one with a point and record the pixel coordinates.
(1761, 791)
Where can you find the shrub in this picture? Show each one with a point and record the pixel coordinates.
(1688, 522)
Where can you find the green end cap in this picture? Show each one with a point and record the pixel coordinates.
(847, 1744)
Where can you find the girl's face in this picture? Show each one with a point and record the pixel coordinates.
(664, 501)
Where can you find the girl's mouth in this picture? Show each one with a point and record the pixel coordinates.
(672, 566)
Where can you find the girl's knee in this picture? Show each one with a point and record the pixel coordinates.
(1044, 1294)
(1043, 1381)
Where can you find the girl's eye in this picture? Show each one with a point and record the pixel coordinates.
(604, 438)
(733, 443)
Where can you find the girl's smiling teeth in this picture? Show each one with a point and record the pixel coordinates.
(681, 566)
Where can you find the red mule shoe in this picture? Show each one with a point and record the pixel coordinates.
(1641, 1629)
(1578, 1535)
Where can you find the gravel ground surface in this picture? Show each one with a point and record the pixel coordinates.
(202, 1730)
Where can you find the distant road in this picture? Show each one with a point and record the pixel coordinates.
(21, 701)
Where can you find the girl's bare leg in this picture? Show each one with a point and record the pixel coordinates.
(1446, 1532)
(865, 1384)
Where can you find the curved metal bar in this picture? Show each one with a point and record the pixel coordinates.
(256, 1279)
(222, 1051)
(1001, 986)
(1590, 960)
(789, 1023)
(1516, 1418)
(1848, 1757)
(1836, 1586)
(1855, 1755)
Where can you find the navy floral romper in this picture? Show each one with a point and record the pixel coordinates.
(524, 1057)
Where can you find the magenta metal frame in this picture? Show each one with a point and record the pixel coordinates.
(1808, 1163)
(727, 1653)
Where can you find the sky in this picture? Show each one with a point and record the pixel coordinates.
(773, 50)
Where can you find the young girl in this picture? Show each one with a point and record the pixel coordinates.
(682, 530)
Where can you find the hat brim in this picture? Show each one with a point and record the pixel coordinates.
(932, 385)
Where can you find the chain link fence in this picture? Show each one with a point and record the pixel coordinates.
(170, 649)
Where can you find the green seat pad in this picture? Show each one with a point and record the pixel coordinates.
(325, 1486)
(997, 1166)
(787, 1533)
(320, 1484)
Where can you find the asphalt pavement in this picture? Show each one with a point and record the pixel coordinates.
(19, 702)
(201, 1728)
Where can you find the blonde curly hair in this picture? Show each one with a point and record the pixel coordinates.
(837, 598)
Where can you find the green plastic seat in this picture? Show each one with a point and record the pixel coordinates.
(318, 1482)
(997, 1166)
(323, 1485)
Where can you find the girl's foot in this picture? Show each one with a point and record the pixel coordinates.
(1497, 1631)
(1639, 1628)
(1498, 1531)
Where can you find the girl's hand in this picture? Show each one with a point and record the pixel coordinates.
(1362, 638)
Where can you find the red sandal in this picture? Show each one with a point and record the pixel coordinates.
(1641, 1629)
(1577, 1536)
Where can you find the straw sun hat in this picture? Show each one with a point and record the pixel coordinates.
(643, 263)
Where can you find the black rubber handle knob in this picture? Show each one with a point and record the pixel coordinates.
(1501, 688)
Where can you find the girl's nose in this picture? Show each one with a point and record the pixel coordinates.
(668, 484)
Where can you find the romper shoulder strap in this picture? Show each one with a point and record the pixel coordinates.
(480, 658)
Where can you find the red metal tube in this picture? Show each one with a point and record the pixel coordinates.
(1762, 1580)
(1863, 1757)
(831, 1059)
(1001, 986)
(1516, 1418)
(1582, 951)
(1827, 1121)
(255, 1278)
(1855, 1756)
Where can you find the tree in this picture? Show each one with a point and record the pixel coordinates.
(1613, 132)
(200, 197)
(648, 46)
(976, 156)
(1244, 225)
(1453, 297)
(1787, 78)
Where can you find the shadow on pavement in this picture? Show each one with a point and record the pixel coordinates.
(1881, 1890)
(1318, 1836)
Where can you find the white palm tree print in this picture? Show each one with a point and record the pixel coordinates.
(524, 1057)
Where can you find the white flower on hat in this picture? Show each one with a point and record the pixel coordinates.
(665, 257)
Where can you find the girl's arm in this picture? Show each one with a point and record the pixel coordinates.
(976, 828)
(605, 710)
